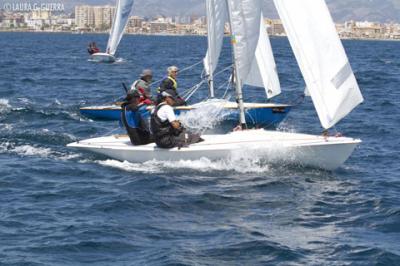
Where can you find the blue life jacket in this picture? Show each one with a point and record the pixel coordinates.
(133, 118)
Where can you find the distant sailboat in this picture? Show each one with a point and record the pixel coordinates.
(327, 73)
(123, 10)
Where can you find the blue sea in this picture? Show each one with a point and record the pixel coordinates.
(59, 206)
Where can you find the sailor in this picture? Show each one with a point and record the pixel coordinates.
(168, 132)
(135, 118)
(92, 49)
(169, 83)
(142, 86)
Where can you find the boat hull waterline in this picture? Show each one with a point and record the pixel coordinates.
(261, 114)
(102, 58)
(271, 147)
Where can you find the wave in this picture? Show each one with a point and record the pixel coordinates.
(37, 151)
(49, 112)
(28, 150)
(6, 127)
(42, 136)
(24, 150)
(28, 108)
(5, 106)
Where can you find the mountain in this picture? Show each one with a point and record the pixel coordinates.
(372, 10)
(342, 10)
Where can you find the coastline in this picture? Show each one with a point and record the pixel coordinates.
(169, 34)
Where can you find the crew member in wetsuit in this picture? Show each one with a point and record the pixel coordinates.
(169, 83)
(168, 132)
(133, 117)
(142, 86)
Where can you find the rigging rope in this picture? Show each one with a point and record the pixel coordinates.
(191, 91)
(180, 71)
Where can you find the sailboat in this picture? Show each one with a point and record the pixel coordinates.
(263, 74)
(123, 10)
(328, 76)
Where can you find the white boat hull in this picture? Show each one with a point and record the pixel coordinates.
(102, 58)
(269, 146)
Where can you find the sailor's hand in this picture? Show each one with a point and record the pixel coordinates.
(238, 128)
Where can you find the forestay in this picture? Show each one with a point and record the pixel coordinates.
(321, 57)
(124, 8)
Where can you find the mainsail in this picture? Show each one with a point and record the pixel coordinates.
(321, 57)
(263, 72)
(216, 18)
(245, 16)
(124, 8)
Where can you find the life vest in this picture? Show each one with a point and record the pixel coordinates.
(174, 84)
(133, 87)
(162, 130)
(143, 98)
(136, 125)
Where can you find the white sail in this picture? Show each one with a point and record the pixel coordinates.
(321, 57)
(124, 8)
(216, 18)
(263, 72)
(245, 16)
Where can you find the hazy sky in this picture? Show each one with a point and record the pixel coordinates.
(374, 10)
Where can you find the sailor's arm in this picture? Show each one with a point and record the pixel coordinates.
(176, 125)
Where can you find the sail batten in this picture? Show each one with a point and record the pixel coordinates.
(124, 8)
(321, 57)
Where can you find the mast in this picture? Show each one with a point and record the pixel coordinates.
(211, 93)
(238, 82)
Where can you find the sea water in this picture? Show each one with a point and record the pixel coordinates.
(60, 206)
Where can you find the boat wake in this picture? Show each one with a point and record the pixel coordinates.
(119, 60)
(203, 165)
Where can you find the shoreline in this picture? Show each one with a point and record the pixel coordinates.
(172, 34)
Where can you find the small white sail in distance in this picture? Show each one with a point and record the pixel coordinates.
(321, 58)
(124, 8)
(263, 71)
